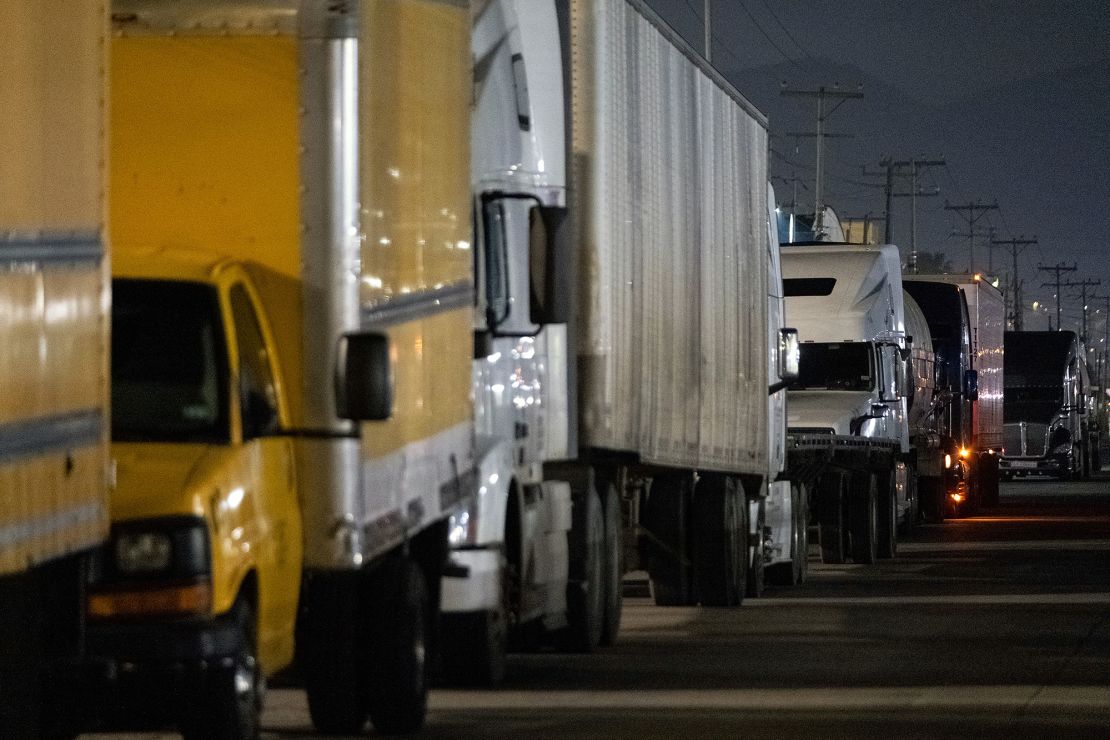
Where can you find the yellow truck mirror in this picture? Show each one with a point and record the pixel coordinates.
(364, 378)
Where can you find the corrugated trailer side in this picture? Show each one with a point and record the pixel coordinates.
(54, 331)
(987, 309)
(669, 201)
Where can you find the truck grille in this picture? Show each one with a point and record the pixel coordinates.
(1025, 439)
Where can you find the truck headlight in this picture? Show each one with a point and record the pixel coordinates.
(153, 568)
(143, 552)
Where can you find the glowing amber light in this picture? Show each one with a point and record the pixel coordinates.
(195, 598)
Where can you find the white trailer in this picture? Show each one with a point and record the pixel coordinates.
(848, 409)
(628, 321)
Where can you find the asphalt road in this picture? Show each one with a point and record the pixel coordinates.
(997, 626)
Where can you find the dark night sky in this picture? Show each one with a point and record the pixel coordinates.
(1015, 96)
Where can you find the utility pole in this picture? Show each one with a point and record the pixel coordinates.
(971, 212)
(708, 15)
(915, 192)
(822, 93)
(1060, 267)
(1082, 285)
(894, 169)
(1016, 247)
(1105, 349)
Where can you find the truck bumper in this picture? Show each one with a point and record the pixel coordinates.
(480, 589)
(1033, 466)
(145, 675)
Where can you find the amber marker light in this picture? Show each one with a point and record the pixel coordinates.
(957, 497)
(194, 598)
(964, 452)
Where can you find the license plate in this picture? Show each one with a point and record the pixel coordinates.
(1023, 463)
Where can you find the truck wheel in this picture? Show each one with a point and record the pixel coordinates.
(614, 564)
(397, 678)
(887, 503)
(666, 519)
(794, 572)
(231, 703)
(586, 584)
(988, 480)
(932, 493)
(720, 541)
(1086, 462)
(756, 581)
(831, 528)
(473, 644)
(913, 503)
(863, 520)
(331, 656)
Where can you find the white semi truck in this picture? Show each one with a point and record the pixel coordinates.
(629, 320)
(848, 409)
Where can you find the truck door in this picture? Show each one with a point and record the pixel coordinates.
(269, 457)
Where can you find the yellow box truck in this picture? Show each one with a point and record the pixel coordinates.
(53, 329)
(293, 426)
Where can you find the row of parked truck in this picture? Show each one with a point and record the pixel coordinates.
(428, 322)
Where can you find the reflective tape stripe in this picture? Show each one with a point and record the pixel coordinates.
(28, 530)
(412, 306)
(51, 248)
(48, 434)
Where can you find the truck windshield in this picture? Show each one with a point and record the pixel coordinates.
(1032, 399)
(168, 363)
(844, 366)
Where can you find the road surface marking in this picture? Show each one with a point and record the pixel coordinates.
(1008, 545)
(1091, 699)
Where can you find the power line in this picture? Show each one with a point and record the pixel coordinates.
(1057, 269)
(974, 211)
(767, 36)
(786, 30)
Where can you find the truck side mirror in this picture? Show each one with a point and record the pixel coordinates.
(971, 385)
(902, 370)
(891, 373)
(790, 353)
(549, 265)
(258, 416)
(363, 378)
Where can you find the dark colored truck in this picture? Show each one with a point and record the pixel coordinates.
(965, 317)
(1047, 409)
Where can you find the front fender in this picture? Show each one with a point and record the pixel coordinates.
(495, 475)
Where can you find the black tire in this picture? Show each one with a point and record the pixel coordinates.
(1086, 461)
(913, 503)
(614, 564)
(231, 700)
(586, 585)
(666, 517)
(331, 656)
(887, 503)
(794, 572)
(988, 480)
(397, 677)
(757, 570)
(831, 524)
(931, 491)
(474, 644)
(720, 551)
(863, 519)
